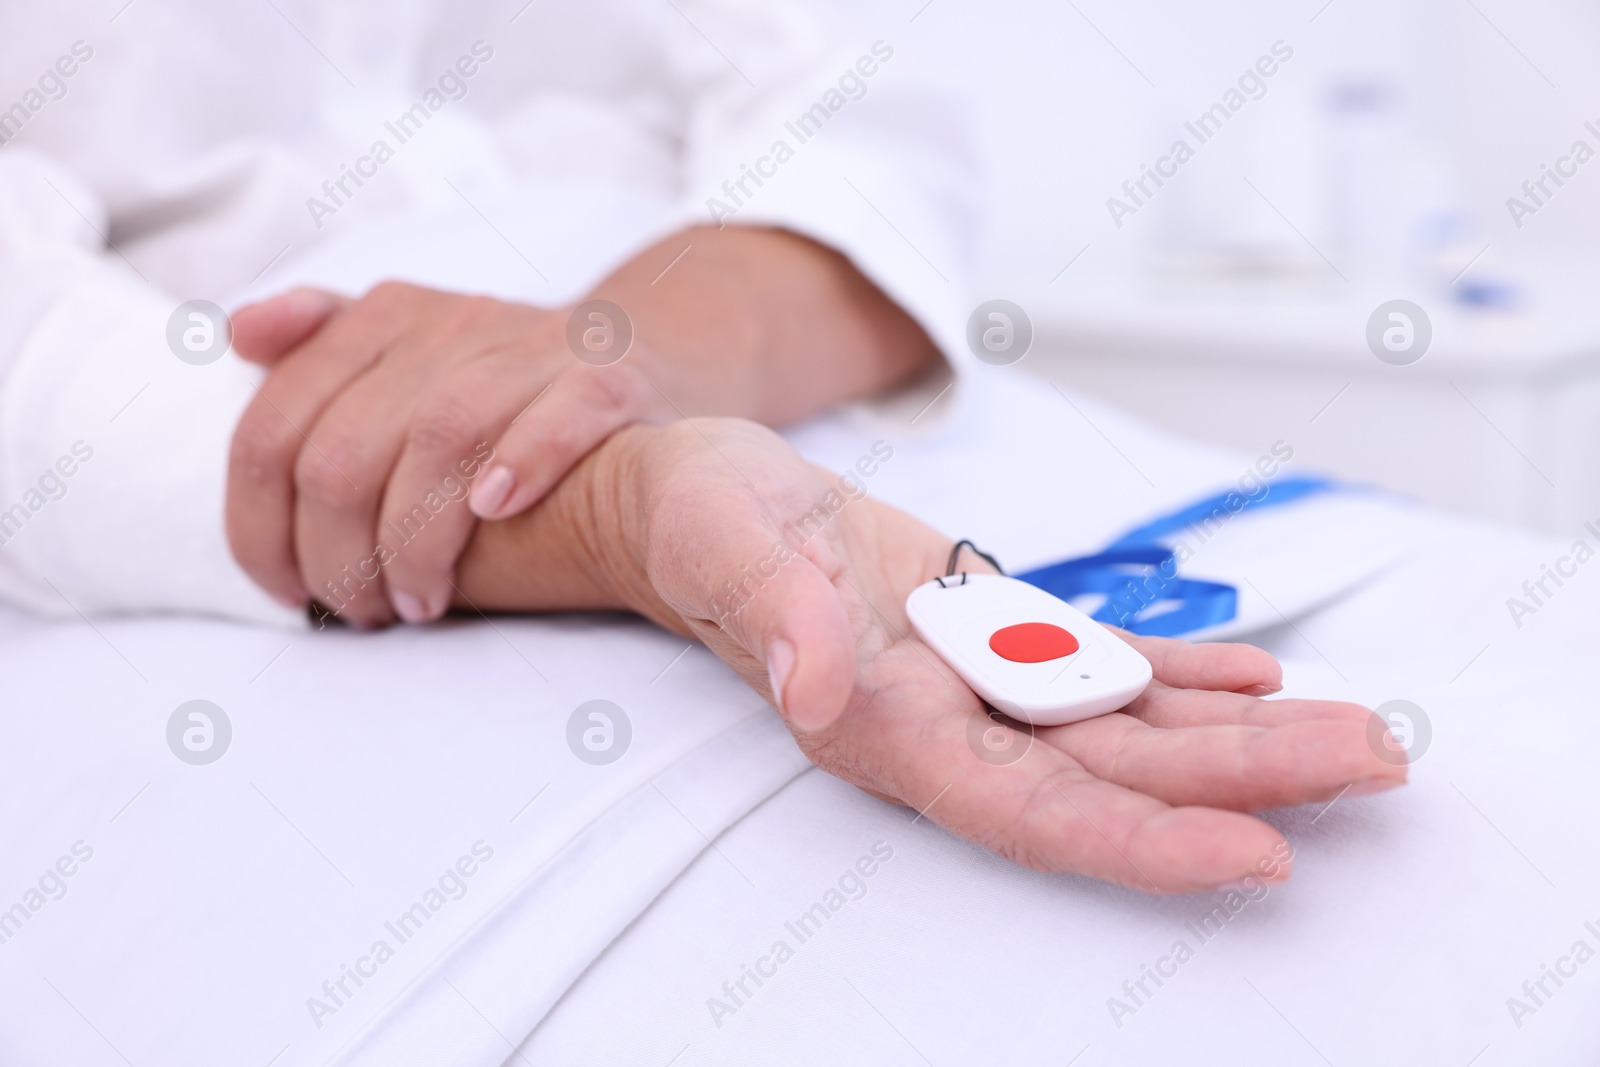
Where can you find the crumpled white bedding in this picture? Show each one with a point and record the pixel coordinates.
(223, 905)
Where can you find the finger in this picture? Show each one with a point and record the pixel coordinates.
(340, 485)
(582, 407)
(1102, 830)
(274, 429)
(1243, 768)
(800, 630)
(424, 515)
(766, 609)
(265, 332)
(1230, 667)
(1048, 812)
(1161, 705)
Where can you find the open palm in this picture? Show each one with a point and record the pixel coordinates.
(1154, 796)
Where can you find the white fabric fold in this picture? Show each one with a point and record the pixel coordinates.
(363, 766)
(566, 914)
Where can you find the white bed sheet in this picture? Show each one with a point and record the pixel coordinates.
(1411, 920)
(219, 899)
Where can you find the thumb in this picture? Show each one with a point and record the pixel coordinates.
(805, 636)
(774, 616)
(578, 410)
(265, 332)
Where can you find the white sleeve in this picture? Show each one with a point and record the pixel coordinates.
(842, 135)
(113, 451)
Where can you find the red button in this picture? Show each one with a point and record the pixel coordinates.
(1032, 642)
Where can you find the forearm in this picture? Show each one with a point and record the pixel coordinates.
(764, 324)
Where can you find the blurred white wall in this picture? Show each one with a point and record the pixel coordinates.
(1376, 164)
(1072, 97)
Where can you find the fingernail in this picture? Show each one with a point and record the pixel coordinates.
(410, 607)
(1368, 786)
(309, 303)
(292, 601)
(780, 664)
(1261, 690)
(492, 490)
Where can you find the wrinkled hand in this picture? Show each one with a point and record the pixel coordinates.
(379, 410)
(376, 410)
(808, 605)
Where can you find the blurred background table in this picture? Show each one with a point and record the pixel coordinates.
(1499, 419)
(1376, 163)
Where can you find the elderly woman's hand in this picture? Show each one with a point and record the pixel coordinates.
(716, 529)
(373, 405)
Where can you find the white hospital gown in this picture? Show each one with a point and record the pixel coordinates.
(164, 152)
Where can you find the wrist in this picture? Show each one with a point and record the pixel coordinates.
(617, 510)
(582, 548)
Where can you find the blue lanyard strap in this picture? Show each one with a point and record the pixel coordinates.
(1138, 572)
